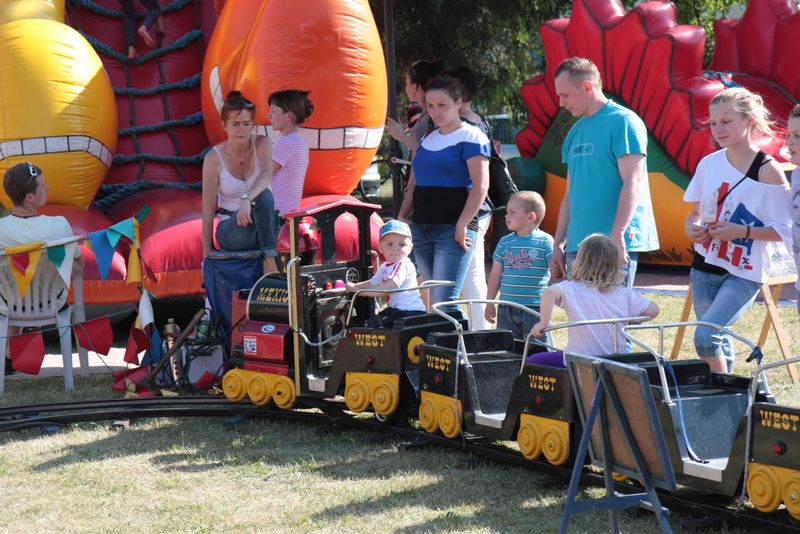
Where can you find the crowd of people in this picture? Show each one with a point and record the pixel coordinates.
(739, 198)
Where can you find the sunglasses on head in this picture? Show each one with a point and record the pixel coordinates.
(239, 103)
(33, 172)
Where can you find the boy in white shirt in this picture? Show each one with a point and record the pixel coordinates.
(397, 272)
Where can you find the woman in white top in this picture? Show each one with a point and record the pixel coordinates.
(737, 195)
(237, 174)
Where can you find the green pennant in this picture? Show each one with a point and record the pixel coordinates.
(143, 213)
(56, 254)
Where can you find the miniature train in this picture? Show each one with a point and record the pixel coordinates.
(303, 339)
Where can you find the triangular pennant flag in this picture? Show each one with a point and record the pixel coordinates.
(27, 352)
(125, 228)
(113, 236)
(134, 273)
(137, 342)
(127, 379)
(95, 335)
(206, 380)
(137, 242)
(56, 254)
(103, 252)
(23, 267)
(146, 315)
(154, 355)
(143, 213)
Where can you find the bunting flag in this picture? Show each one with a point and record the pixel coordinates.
(23, 260)
(95, 335)
(154, 355)
(128, 379)
(62, 252)
(56, 254)
(134, 271)
(103, 251)
(122, 228)
(146, 316)
(137, 342)
(27, 352)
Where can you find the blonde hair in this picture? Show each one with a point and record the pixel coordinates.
(580, 69)
(531, 202)
(597, 263)
(748, 104)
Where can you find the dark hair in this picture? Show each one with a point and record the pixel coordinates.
(448, 85)
(423, 71)
(293, 100)
(235, 101)
(795, 112)
(20, 180)
(469, 81)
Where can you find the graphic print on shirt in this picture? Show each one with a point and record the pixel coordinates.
(737, 251)
(583, 149)
(522, 260)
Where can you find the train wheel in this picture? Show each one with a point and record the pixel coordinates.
(234, 385)
(619, 477)
(384, 399)
(259, 389)
(283, 392)
(356, 395)
(764, 488)
(556, 445)
(529, 439)
(427, 416)
(791, 496)
(448, 421)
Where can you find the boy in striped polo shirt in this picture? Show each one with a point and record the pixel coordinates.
(520, 264)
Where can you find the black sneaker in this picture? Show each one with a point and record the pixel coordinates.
(9, 367)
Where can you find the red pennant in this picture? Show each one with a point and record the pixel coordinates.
(95, 335)
(21, 261)
(27, 352)
(137, 342)
(123, 376)
(206, 380)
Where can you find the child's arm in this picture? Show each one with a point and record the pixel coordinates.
(389, 284)
(493, 285)
(651, 310)
(550, 297)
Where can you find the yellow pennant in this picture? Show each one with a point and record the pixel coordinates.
(136, 241)
(134, 273)
(23, 268)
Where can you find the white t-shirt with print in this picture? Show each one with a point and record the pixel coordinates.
(404, 274)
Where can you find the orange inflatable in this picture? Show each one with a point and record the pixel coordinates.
(329, 47)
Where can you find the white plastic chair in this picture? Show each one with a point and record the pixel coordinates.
(40, 308)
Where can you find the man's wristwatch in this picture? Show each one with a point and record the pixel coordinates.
(245, 196)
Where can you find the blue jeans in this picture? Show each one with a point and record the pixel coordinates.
(439, 257)
(258, 235)
(629, 269)
(720, 299)
(518, 321)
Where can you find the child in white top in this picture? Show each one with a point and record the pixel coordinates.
(397, 272)
(592, 292)
(289, 109)
(793, 144)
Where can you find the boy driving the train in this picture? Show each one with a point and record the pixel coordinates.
(396, 272)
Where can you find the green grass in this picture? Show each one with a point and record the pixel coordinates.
(201, 475)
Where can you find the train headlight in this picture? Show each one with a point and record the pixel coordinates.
(779, 447)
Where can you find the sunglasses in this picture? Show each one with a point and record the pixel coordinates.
(33, 172)
(238, 103)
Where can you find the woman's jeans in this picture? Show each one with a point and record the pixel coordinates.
(439, 257)
(258, 235)
(720, 299)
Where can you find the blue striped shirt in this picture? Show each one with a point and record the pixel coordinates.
(526, 268)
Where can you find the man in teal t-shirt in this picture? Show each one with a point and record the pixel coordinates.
(608, 190)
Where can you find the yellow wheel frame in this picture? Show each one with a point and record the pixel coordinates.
(764, 488)
(427, 416)
(283, 392)
(356, 395)
(234, 384)
(529, 438)
(448, 420)
(384, 399)
(259, 389)
(555, 445)
(619, 477)
(791, 496)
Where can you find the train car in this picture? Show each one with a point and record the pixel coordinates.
(302, 335)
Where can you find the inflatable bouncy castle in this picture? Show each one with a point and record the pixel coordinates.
(119, 137)
(655, 67)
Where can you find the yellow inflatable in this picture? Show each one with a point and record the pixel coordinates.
(57, 106)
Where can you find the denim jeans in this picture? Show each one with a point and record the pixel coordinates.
(629, 269)
(720, 299)
(258, 235)
(518, 321)
(439, 257)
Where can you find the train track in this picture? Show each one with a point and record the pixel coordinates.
(693, 504)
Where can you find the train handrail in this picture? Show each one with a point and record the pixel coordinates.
(290, 266)
(428, 284)
(659, 355)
